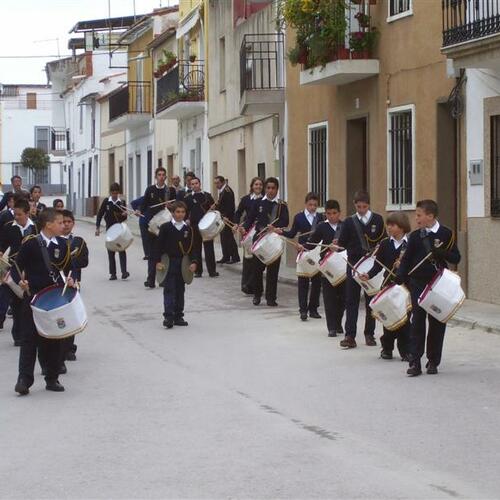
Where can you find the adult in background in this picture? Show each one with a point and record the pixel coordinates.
(226, 206)
(35, 195)
(58, 204)
(176, 183)
(17, 188)
(182, 192)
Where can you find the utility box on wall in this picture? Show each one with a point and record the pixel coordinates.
(476, 172)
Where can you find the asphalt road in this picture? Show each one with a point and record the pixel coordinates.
(246, 402)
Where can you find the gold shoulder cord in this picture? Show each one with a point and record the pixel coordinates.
(376, 239)
(451, 242)
(181, 246)
(65, 261)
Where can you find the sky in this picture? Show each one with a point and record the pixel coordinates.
(31, 27)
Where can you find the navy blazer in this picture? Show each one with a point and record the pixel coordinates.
(301, 225)
(265, 212)
(325, 233)
(244, 207)
(387, 254)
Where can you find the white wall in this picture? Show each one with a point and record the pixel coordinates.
(139, 141)
(189, 131)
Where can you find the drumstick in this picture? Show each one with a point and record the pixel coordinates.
(385, 267)
(423, 260)
(126, 209)
(232, 225)
(162, 203)
(66, 283)
(289, 241)
(268, 226)
(324, 245)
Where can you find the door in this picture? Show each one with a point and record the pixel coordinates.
(150, 167)
(111, 168)
(170, 166)
(356, 159)
(138, 175)
(130, 178)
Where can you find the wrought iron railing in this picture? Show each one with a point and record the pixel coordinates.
(134, 97)
(58, 139)
(467, 20)
(184, 82)
(262, 62)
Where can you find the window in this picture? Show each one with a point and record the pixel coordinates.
(495, 166)
(81, 118)
(222, 64)
(318, 161)
(138, 175)
(400, 157)
(399, 9)
(261, 170)
(149, 160)
(42, 138)
(31, 100)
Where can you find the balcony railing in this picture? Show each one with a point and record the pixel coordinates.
(59, 140)
(468, 20)
(261, 62)
(185, 82)
(132, 98)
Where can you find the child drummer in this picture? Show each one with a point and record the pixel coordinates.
(389, 255)
(176, 240)
(429, 250)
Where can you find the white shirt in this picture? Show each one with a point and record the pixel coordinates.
(365, 218)
(178, 225)
(160, 187)
(28, 224)
(222, 189)
(434, 229)
(334, 226)
(47, 240)
(115, 202)
(398, 243)
(254, 196)
(274, 200)
(310, 216)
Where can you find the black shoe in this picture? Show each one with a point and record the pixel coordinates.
(54, 386)
(63, 370)
(432, 369)
(1, 325)
(386, 355)
(147, 284)
(303, 316)
(235, 261)
(180, 322)
(370, 340)
(214, 275)
(70, 356)
(145, 258)
(414, 371)
(22, 387)
(168, 323)
(405, 357)
(113, 277)
(314, 314)
(272, 303)
(223, 261)
(197, 275)
(125, 275)
(256, 301)
(332, 333)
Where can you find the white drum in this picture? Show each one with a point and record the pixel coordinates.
(247, 242)
(13, 285)
(308, 263)
(443, 296)
(58, 316)
(210, 225)
(333, 267)
(268, 248)
(391, 306)
(118, 237)
(162, 217)
(373, 285)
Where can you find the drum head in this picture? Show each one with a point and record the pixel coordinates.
(187, 274)
(207, 220)
(114, 231)
(161, 275)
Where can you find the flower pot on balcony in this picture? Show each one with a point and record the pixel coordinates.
(342, 53)
(192, 58)
(361, 54)
(302, 58)
(157, 73)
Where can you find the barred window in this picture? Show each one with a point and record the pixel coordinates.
(397, 7)
(400, 158)
(318, 161)
(495, 166)
(42, 138)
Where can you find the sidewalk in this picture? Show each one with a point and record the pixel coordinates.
(473, 314)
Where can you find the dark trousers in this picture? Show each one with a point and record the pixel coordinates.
(151, 242)
(309, 302)
(228, 245)
(173, 291)
(112, 262)
(146, 240)
(5, 298)
(435, 335)
(18, 311)
(50, 351)
(272, 272)
(208, 248)
(334, 301)
(352, 308)
(68, 346)
(247, 273)
(401, 336)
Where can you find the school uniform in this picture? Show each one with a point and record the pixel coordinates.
(176, 239)
(112, 213)
(420, 244)
(153, 195)
(263, 213)
(389, 251)
(226, 206)
(197, 206)
(6, 216)
(305, 222)
(333, 296)
(30, 260)
(359, 236)
(181, 193)
(244, 208)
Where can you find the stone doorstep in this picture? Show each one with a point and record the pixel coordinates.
(473, 314)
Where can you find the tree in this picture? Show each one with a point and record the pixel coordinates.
(35, 159)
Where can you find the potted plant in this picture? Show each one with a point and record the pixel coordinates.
(362, 43)
(192, 58)
(363, 19)
(297, 55)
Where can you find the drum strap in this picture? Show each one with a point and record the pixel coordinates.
(359, 231)
(427, 245)
(46, 258)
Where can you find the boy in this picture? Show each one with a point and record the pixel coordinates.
(176, 239)
(434, 238)
(267, 211)
(306, 221)
(389, 254)
(113, 213)
(79, 260)
(333, 296)
(35, 195)
(40, 260)
(359, 236)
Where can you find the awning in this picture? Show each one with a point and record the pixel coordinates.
(188, 23)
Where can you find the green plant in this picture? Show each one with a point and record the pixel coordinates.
(35, 159)
(360, 41)
(168, 56)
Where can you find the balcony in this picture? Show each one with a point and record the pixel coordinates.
(130, 106)
(180, 93)
(262, 74)
(59, 143)
(336, 48)
(471, 32)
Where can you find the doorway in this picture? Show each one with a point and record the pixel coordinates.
(111, 168)
(356, 158)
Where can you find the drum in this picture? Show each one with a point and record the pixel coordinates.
(443, 296)
(268, 248)
(162, 217)
(4, 265)
(58, 316)
(308, 263)
(118, 237)
(391, 306)
(210, 225)
(247, 242)
(7, 279)
(333, 267)
(373, 285)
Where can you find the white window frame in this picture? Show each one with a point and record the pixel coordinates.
(310, 127)
(402, 15)
(391, 111)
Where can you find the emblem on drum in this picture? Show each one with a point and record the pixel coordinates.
(383, 317)
(436, 309)
(61, 324)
